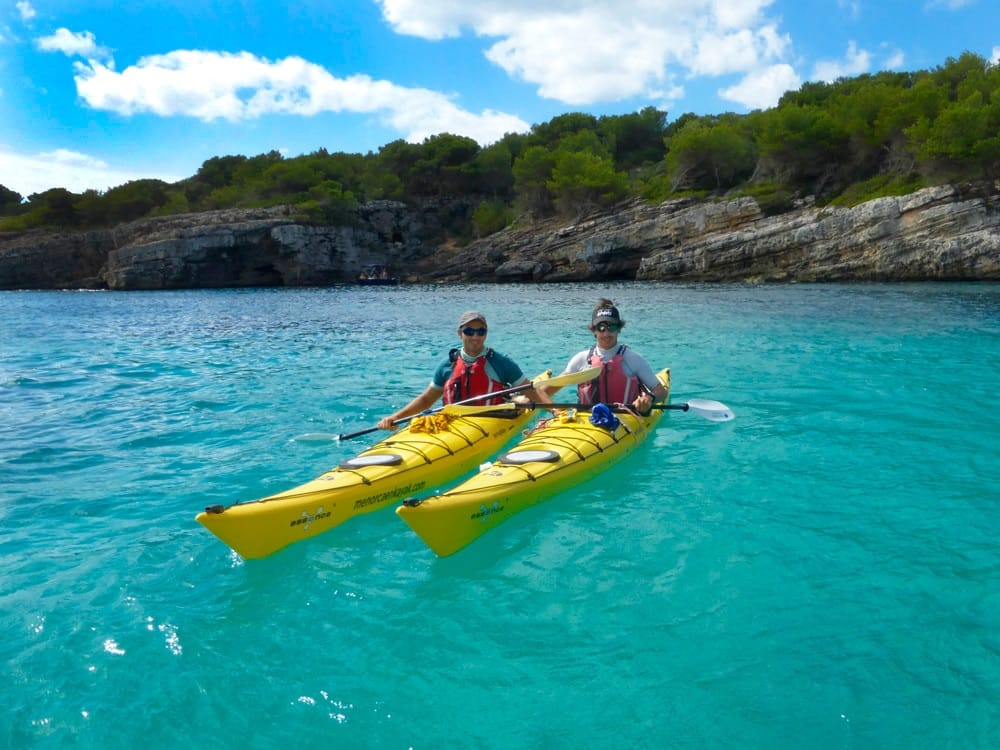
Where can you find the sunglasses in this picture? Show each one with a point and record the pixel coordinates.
(474, 331)
(613, 327)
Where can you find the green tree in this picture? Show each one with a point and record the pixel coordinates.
(10, 201)
(549, 134)
(252, 177)
(493, 170)
(801, 146)
(491, 216)
(176, 203)
(445, 165)
(54, 207)
(92, 209)
(963, 141)
(378, 184)
(399, 158)
(582, 181)
(958, 78)
(544, 176)
(635, 139)
(710, 154)
(214, 173)
(532, 170)
(350, 170)
(329, 203)
(809, 94)
(134, 200)
(289, 178)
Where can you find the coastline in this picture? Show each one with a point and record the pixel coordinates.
(936, 234)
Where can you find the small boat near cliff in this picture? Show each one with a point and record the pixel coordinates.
(377, 274)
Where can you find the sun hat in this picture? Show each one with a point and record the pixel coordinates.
(470, 315)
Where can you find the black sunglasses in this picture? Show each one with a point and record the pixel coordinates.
(474, 331)
(613, 327)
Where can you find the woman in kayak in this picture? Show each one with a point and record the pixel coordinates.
(473, 370)
(626, 377)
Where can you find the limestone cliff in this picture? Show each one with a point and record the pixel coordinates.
(231, 248)
(935, 234)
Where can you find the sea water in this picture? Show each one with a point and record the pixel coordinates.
(821, 572)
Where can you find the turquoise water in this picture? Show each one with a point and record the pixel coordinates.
(822, 572)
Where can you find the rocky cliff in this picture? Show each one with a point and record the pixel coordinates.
(935, 234)
(232, 248)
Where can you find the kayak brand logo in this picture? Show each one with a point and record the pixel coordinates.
(383, 497)
(485, 512)
(307, 518)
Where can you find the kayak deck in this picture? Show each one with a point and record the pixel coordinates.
(561, 453)
(428, 452)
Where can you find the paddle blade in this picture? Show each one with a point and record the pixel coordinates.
(714, 411)
(570, 378)
(315, 437)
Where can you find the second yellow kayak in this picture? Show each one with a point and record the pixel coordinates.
(560, 454)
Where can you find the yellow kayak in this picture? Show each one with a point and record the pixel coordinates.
(407, 461)
(556, 455)
(431, 450)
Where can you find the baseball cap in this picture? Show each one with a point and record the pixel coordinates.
(606, 315)
(470, 315)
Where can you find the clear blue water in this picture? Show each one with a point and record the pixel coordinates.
(822, 572)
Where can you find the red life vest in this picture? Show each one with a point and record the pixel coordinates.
(470, 379)
(612, 386)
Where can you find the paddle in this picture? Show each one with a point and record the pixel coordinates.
(573, 378)
(713, 411)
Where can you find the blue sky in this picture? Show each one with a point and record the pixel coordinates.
(96, 93)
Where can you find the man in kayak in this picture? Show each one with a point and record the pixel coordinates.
(470, 371)
(626, 377)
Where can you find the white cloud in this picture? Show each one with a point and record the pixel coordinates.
(73, 44)
(74, 159)
(587, 51)
(25, 10)
(895, 61)
(76, 172)
(578, 66)
(426, 20)
(855, 62)
(738, 52)
(235, 87)
(760, 89)
(995, 56)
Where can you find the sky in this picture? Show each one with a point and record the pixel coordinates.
(95, 93)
